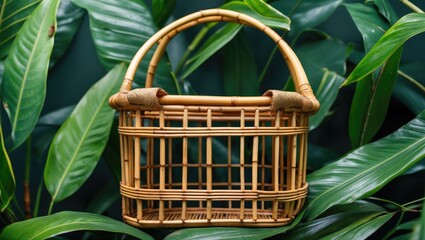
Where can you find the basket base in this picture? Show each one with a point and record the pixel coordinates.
(223, 217)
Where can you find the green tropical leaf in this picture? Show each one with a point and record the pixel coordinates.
(7, 177)
(326, 93)
(240, 68)
(162, 10)
(220, 38)
(364, 230)
(118, 40)
(222, 233)
(405, 28)
(77, 146)
(370, 102)
(367, 169)
(385, 9)
(66, 222)
(368, 21)
(270, 16)
(13, 14)
(337, 222)
(23, 88)
(69, 18)
(372, 95)
(307, 14)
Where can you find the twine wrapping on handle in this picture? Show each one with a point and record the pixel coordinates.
(142, 98)
(289, 101)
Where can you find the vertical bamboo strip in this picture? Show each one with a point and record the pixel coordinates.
(200, 163)
(263, 163)
(276, 166)
(137, 164)
(161, 165)
(229, 163)
(302, 160)
(149, 165)
(255, 165)
(123, 153)
(170, 165)
(242, 164)
(184, 163)
(209, 164)
(130, 163)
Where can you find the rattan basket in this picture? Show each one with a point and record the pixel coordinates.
(172, 175)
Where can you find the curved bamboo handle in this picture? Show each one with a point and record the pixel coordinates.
(164, 35)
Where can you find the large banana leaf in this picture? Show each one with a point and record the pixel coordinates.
(405, 28)
(77, 146)
(7, 177)
(13, 15)
(367, 169)
(23, 88)
(69, 18)
(66, 222)
(119, 28)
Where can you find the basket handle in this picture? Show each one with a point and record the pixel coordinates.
(164, 35)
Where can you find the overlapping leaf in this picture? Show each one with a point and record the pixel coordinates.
(69, 18)
(342, 222)
(12, 17)
(23, 88)
(372, 95)
(77, 146)
(119, 28)
(65, 222)
(307, 14)
(263, 12)
(405, 28)
(326, 93)
(367, 169)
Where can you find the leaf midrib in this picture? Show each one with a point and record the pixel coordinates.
(367, 171)
(20, 9)
(78, 147)
(24, 79)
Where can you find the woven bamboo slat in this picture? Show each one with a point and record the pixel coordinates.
(193, 161)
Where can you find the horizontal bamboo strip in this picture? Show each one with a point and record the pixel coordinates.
(214, 100)
(211, 133)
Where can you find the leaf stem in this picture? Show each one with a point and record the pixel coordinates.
(414, 201)
(38, 197)
(51, 206)
(411, 80)
(401, 206)
(412, 6)
(27, 191)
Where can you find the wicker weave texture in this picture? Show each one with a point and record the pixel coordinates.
(192, 161)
